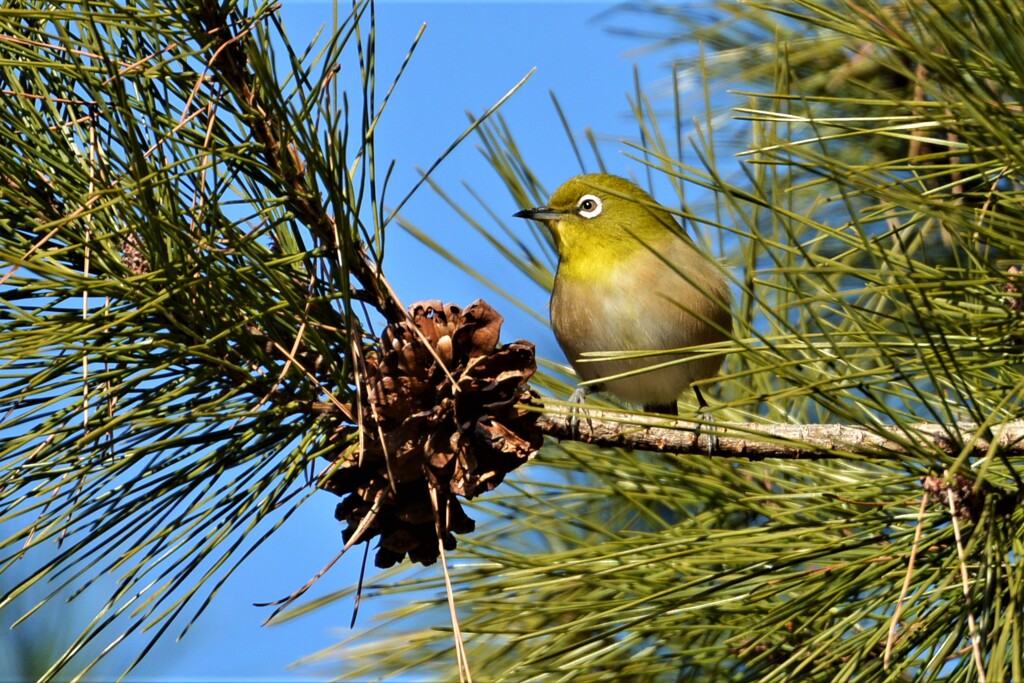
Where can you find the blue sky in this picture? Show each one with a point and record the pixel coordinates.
(471, 54)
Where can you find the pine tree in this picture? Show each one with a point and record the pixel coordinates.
(195, 314)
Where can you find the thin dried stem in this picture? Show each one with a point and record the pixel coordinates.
(894, 624)
(979, 661)
(465, 676)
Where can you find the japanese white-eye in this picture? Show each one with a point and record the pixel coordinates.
(630, 279)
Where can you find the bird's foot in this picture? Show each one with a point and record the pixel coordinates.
(709, 429)
(579, 398)
(707, 421)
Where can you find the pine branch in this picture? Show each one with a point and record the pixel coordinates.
(775, 441)
(304, 199)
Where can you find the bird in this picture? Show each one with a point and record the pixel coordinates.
(630, 279)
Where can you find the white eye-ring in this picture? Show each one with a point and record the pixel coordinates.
(589, 206)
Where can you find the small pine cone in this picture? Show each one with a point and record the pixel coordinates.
(1012, 290)
(441, 411)
(133, 256)
(1012, 299)
(966, 502)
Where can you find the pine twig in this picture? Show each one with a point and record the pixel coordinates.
(228, 49)
(757, 441)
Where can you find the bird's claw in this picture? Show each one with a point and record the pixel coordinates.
(578, 397)
(709, 428)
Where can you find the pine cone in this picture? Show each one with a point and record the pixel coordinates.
(1013, 290)
(440, 411)
(133, 256)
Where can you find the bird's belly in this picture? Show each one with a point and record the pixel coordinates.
(613, 316)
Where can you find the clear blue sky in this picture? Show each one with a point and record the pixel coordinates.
(470, 55)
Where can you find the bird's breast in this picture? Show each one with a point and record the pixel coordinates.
(615, 313)
(642, 304)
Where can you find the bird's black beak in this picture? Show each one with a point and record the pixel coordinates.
(541, 213)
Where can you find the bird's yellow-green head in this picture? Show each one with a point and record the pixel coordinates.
(598, 216)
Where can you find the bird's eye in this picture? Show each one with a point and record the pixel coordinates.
(589, 206)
